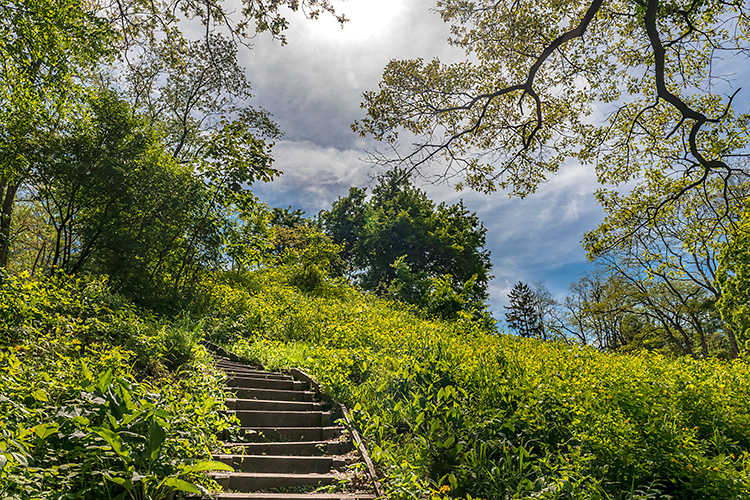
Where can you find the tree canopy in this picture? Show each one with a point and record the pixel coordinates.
(641, 90)
(399, 242)
(129, 135)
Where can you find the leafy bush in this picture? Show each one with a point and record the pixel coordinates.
(452, 405)
(98, 399)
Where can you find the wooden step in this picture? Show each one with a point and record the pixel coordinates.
(232, 372)
(266, 405)
(267, 383)
(270, 394)
(293, 496)
(263, 418)
(254, 481)
(316, 433)
(293, 448)
(283, 464)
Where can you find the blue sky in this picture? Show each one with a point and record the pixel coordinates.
(313, 88)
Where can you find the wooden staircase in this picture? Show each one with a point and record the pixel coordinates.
(288, 445)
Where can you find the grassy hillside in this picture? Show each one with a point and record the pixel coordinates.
(106, 400)
(453, 409)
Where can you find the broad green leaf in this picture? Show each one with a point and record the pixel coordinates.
(128, 485)
(206, 466)
(104, 380)
(156, 437)
(86, 372)
(43, 431)
(113, 440)
(40, 395)
(180, 485)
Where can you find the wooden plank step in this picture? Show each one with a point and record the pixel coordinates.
(261, 404)
(293, 448)
(293, 496)
(267, 383)
(261, 434)
(231, 372)
(283, 464)
(263, 418)
(270, 394)
(254, 481)
(226, 362)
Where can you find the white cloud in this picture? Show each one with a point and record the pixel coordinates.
(313, 175)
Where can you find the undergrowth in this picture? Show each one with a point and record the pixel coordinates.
(99, 399)
(453, 409)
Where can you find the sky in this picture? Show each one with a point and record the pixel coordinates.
(313, 88)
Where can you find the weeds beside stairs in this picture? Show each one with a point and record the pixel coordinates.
(289, 445)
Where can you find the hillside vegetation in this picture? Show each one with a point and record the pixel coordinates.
(99, 399)
(455, 409)
(105, 400)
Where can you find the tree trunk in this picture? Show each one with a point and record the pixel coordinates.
(8, 192)
(733, 348)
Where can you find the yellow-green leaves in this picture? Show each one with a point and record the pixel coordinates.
(733, 280)
(495, 416)
(546, 82)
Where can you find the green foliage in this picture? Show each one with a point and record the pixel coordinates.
(401, 244)
(522, 316)
(660, 264)
(733, 281)
(450, 406)
(529, 94)
(99, 400)
(46, 47)
(104, 196)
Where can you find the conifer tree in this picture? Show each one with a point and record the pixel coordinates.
(522, 315)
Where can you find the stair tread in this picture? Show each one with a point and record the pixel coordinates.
(284, 443)
(312, 458)
(261, 389)
(295, 496)
(282, 427)
(315, 448)
(322, 475)
(282, 412)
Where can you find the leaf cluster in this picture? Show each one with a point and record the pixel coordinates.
(401, 244)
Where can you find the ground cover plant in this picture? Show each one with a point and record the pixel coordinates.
(99, 399)
(457, 409)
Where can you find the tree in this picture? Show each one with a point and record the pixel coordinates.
(344, 222)
(46, 46)
(523, 315)
(669, 257)
(733, 280)
(186, 81)
(400, 243)
(539, 74)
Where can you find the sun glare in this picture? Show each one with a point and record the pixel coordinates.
(367, 20)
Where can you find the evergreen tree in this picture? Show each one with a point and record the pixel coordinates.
(523, 315)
